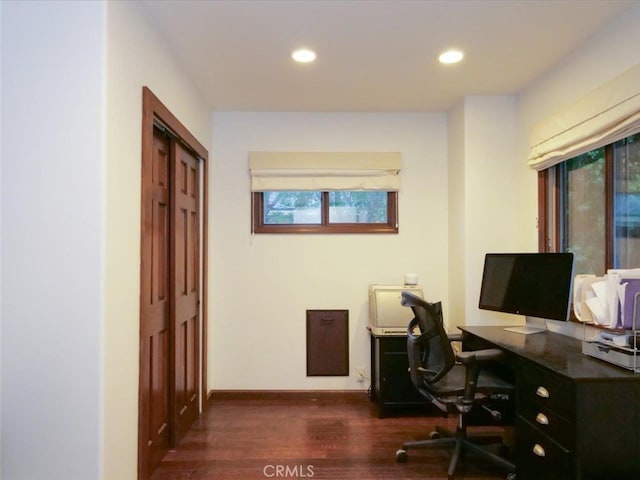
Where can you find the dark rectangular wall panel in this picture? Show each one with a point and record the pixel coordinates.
(327, 343)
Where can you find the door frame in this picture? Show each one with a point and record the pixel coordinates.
(153, 112)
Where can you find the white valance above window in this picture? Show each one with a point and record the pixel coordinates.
(324, 171)
(607, 114)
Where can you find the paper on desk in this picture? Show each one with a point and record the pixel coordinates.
(598, 304)
(610, 300)
(597, 310)
(600, 289)
(613, 280)
(581, 292)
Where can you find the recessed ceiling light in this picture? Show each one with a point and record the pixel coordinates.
(451, 56)
(304, 55)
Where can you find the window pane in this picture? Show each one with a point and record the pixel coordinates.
(626, 207)
(583, 211)
(358, 207)
(292, 208)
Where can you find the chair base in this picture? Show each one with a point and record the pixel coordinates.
(461, 443)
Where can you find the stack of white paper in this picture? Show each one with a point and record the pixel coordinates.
(609, 301)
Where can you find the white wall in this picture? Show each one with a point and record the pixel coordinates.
(72, 77)
(457, 215)
(610, 52)
(1, 134)
(483, 215)
(53, 85)
(262, 285)
(492, 218)
(136, 56)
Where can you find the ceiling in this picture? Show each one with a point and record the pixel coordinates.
(374, 55)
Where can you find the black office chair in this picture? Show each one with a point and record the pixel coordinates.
(454, 382)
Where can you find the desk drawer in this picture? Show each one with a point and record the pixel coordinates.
(547, 391)
(540, 457)
(548, 423)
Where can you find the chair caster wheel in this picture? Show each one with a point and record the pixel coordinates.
(434, 435)
(401, 456)
(511, 476)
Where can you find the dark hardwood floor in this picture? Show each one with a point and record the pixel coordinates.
(334, 436)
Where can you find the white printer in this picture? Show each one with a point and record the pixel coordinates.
(387, 316)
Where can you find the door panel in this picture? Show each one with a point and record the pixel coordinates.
(186, 289)
(155, 431)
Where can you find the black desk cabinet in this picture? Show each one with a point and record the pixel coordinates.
(391, 386)
(577, 417)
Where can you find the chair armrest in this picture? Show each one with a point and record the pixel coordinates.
(473, 362)
(455, 337)
(480, 356)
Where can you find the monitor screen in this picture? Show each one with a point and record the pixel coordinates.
(532, 284)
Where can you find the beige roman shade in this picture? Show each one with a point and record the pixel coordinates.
(607, 114)
(324, 171)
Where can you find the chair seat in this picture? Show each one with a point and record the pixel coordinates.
(451, 386)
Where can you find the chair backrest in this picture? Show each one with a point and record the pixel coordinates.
(430, 353)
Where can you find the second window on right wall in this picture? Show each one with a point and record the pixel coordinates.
(590, 205)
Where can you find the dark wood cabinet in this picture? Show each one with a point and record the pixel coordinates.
(391, 386)
(577, 417)
(545, 422)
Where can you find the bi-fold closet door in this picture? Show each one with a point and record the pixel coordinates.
(170, 310)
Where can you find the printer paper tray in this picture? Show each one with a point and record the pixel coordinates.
(623, 357)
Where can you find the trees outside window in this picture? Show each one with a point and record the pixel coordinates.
(325, 212)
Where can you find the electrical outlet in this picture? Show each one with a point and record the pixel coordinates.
(360, 374)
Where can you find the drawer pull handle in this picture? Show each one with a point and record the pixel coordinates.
(542, 419)
(542, 392)
(538, 450)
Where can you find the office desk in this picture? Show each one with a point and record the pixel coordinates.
(577, 417)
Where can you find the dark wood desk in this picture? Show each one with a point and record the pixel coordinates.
(577, 417)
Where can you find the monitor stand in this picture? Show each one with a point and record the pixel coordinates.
(532, 325)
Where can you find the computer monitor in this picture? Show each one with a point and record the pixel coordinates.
(530, 284)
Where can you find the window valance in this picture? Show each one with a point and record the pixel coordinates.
(607, 114)
(324, 171)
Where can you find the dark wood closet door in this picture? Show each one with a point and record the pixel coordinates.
(186, 288)
(173, 268)
(154, 395)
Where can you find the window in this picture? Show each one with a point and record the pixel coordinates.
(324, 192)
(582, 203)
(590, 205)
(325, 212)
(588, 158)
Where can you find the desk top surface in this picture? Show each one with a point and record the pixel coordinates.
(556, 352)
